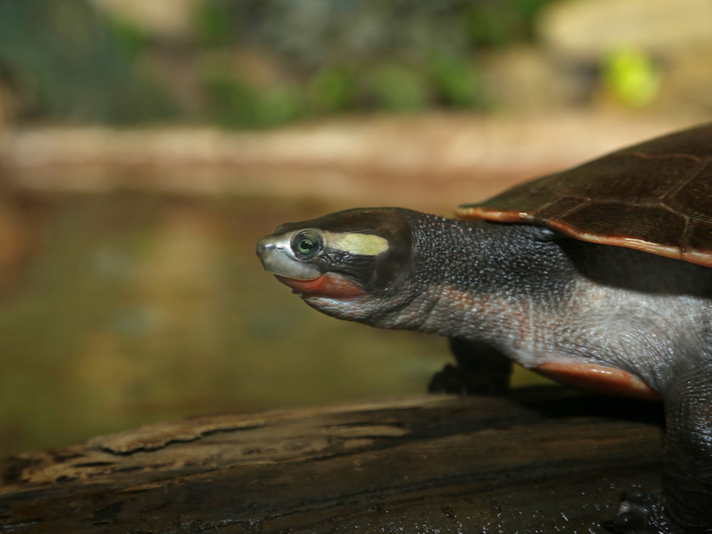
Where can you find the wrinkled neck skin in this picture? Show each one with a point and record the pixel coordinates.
(540, 297)
(476, 280)
(469, 279)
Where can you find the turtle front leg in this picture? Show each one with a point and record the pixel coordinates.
(480, 370)
(685, 504)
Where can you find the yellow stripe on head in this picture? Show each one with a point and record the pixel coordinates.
(362, 244)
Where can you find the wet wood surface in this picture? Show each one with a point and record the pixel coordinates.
(541, 460)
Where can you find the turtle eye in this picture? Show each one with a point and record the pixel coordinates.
(307, 244)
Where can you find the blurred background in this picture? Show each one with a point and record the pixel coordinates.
(146, 145)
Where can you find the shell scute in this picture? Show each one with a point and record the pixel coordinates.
(695, 197)
(697, 239)
(655, 197)
(623, 224)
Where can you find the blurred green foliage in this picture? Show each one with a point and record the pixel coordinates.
(318, 32)
(235, 103)
(631, 77)
(500, 22)
(216, 24)
(395, 87)
(360, 55)
(63, 60)
(333, 89)
(458, 82)
(131, 40)
(388, 86)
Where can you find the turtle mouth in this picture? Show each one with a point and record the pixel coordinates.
(328, 285)
(305, 278)
(277, 258)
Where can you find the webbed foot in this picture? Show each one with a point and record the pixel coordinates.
(642, 512)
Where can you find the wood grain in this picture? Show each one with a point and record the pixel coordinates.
(542, 460)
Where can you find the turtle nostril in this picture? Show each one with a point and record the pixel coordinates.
(264, 246)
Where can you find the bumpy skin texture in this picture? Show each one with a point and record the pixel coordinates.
(538, 297)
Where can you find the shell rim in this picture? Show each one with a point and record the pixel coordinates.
(475, 212)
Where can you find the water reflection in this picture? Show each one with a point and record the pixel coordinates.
(142, 307)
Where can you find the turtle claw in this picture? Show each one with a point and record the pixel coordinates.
(641, 512)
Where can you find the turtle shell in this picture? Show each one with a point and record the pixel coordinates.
(655, 197)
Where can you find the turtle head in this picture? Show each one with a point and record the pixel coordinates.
(344, 262)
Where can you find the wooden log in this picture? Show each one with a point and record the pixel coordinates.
(541, 460)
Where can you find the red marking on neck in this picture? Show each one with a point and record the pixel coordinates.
(599, 379)
(328, 284)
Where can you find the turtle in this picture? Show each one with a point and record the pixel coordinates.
(599, 276)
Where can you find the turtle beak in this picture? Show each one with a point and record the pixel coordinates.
(276, 255)
(265, 247)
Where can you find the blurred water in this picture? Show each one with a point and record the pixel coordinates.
(141, 308)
